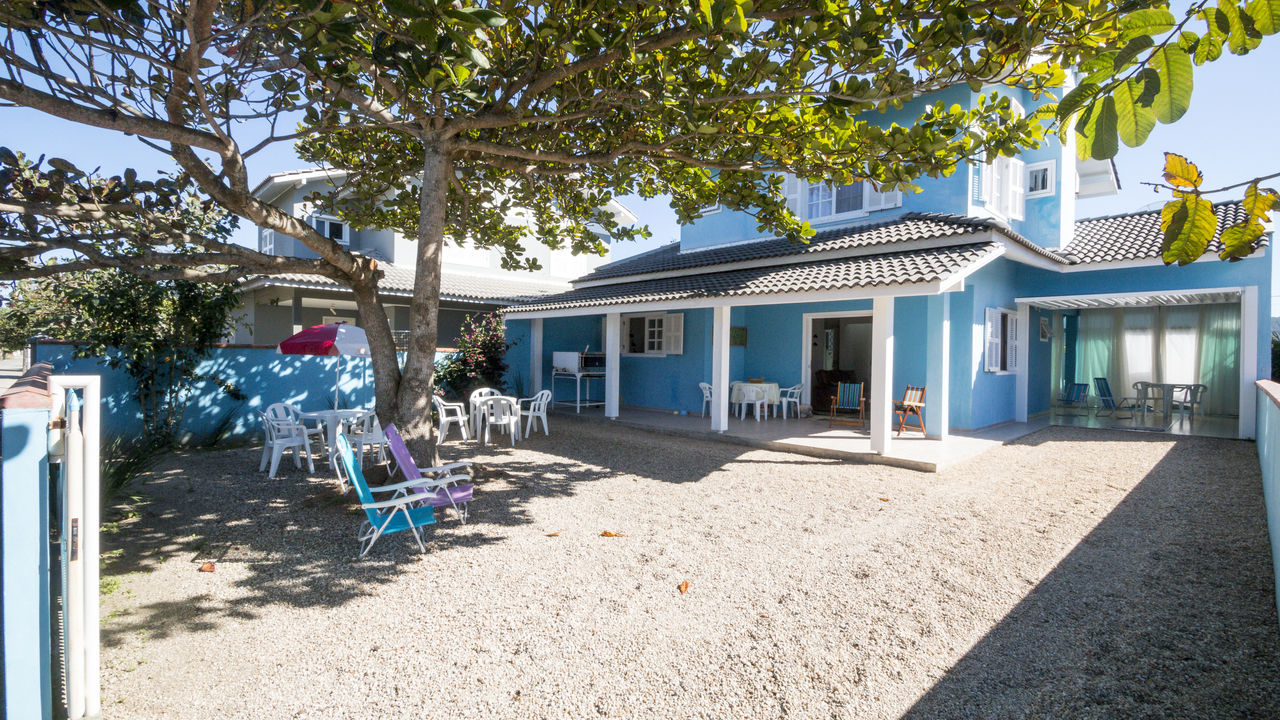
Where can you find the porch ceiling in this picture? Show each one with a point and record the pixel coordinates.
(1122, 301)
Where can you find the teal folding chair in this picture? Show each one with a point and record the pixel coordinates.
(388, 516)
(1108, 404)
(849, 398)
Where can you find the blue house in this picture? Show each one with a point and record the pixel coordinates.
(983, 288)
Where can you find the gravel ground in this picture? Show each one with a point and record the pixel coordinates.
(1076, 573)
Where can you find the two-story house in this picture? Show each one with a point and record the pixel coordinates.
(983, 288)
(472, 279)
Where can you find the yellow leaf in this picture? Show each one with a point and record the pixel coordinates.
(1181, 172)
(683, 587)
(1188, 223)
(554, 534)
(207, 567)
(606, 533)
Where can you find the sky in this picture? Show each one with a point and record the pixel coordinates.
(1229, 132)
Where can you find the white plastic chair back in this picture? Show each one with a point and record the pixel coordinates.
(540, 401)
(478, 395)
(283, 411)
(706, 390)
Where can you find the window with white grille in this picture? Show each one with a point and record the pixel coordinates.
(821, 202)
(1002, 354)
(267, 241)
(653, 334)
(330, 227)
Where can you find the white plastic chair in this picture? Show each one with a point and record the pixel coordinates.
(537, 411)
(791, 396)
(706, 397)
(502, 412)
(755, 397)
(1192, 398)
(285, 435)
(451, 414)
(365, 430)
(288, 411)
(476, 397)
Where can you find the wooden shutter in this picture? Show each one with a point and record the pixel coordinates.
(1017, 189)
(1012, 343)
(793, 189)
(991, 338)
(673, 334)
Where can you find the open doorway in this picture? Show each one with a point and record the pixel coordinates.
(839, 350)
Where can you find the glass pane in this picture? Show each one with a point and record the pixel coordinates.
(336, 231)
(849, 197)
(819, 201)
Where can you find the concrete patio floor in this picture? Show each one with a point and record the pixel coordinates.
(812, 436)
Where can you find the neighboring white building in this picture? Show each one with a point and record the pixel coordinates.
(472, 279)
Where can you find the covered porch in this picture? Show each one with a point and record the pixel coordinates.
(1161, 349)
(812, 436)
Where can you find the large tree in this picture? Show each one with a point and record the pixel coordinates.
(449, 116)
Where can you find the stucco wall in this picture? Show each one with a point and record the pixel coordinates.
(1268, 434)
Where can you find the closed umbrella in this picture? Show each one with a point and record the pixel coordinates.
(328, 340)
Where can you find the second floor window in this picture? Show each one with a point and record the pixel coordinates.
(821, 201)
(1004, 187)
(267, 243)
(331, 228)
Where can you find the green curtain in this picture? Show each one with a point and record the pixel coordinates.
(1096, 347)
(1219, 366)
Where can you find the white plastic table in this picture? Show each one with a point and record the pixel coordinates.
(332, 420)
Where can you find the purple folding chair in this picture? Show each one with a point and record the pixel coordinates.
(443, 488)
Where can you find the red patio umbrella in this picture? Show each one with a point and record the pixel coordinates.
(328, 340)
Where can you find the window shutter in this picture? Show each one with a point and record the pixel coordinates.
(986, 187)
(1011, 343)
(892, 199)
(992, 341)
(673, 334)
(793, 188)
(1017, 189)
(875, 200)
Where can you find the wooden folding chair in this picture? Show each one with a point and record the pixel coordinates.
(848, 397)
(912, 403)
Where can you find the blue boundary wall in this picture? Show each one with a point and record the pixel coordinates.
(261, 373)
(1268, 437)
(24, 547)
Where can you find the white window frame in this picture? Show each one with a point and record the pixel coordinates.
(267, 241)
(315, 218)
(669, 329)
(1004, 187)
(1002, 351)
(1050, 167)
(710, 209)
(798, 200)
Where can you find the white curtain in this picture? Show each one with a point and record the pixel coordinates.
(1181, 344)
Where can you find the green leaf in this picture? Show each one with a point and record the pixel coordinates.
(1238, 240)
(1076, 99)
(1181, 172)
(1147, 22)
(1259, 201)
(1266, 15)
(1131, 50)
(1135, 120)
(1096, 131)
(1175, 71)
(1209, 49)
(1188, 224)
(7, 157)
(64, 166)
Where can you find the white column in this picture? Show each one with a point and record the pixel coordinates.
(1248, 361)
(535, 353)
(937, 400)
(296, 304)
(612, 363)
(882, 374)
(1022, 339)
(720, 369)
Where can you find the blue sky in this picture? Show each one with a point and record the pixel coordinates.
(1229, 132)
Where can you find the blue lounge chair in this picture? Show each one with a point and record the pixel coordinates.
(388, 516)
(1076, 398)
(1111, 405)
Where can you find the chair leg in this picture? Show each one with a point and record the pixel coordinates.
(266, 455)
(277, 451)
(311, 466)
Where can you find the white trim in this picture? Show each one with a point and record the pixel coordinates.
(710, 209)
(806, 346)
(882, 358)
(720, 322)
(1022, 386)
(535, 352)
(1117, 295)
(1051, 188)
(612, 364)
(1248, 361)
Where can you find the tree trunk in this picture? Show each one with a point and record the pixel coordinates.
(416, 384)
(382, 349)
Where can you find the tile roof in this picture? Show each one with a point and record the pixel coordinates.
(912, 226)
(1135, 236)
(894, 268)
(398, 279)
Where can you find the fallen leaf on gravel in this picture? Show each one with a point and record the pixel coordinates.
(207, 567)
(683, 587)
(606, 533)
(885, 499)
(762, 615)
(552, 534)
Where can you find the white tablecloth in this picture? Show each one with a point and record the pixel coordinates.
(772, 392)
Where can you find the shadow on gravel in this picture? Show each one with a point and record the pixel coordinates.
(1166, 609)
(294, 536)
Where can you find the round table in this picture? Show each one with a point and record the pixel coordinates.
(332, 420)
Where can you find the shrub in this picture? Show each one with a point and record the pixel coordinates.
(480, 360)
